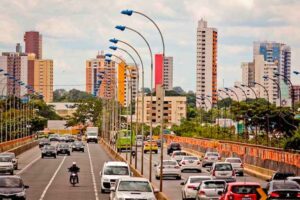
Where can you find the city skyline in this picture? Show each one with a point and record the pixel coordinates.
(74, 33)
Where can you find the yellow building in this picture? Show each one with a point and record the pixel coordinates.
(43, 78)
(121, 83)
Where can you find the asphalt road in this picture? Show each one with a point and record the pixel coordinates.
(172, 187)
(48, 178)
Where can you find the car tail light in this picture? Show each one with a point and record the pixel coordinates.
(298, 195)
(219, 157)
(274, 194)
(233, 173)
(191, 186)
(198, 163)
(214, 172)
(230, 197)
(201, 192)
(177, 167)
(183, 162)
(206, 158)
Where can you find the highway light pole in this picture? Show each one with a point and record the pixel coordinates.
(225, 102)
(247, 86)
(115, 41)
(122, 28)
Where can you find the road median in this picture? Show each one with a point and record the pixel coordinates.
(115, 155)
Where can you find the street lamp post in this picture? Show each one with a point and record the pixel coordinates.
(115, 41)
(122, 28)
(279, 89)
(292, 88)
(211, 116)
(251, 90)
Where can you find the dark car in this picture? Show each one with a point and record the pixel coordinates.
(281, 175)
(78, 146)
(54, 137)
(12, 187)
(283, 189)
(63, 149)
(70, 138)
(174, 146)
(43, 142)
(49, 151)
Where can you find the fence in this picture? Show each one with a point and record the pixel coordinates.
(261, 156)
(4, 146)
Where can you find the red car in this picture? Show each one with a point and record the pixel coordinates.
(241, 191)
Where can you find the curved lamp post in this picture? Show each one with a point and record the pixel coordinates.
(250, 89)
(245, 94)
(122, 28)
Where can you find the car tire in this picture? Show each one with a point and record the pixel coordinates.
(54, 156)
(242, 174)
(102, 191)
(157, 177)
(11, 172)
(69, 154)
(156, 152)
(42, 156)
(145, 152)
(178, 177)
(199, 170)
(16, 168)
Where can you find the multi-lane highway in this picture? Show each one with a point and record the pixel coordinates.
(48, 178)
(172, 187)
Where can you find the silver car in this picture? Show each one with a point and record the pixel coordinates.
(189, 187)
(178, 155)
(223, 171)
(210, 190)
(237, 165)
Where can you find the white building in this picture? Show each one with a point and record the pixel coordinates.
(206, 66)
(168, 73)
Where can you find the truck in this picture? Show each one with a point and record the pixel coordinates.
(92, 134)
(123, 140)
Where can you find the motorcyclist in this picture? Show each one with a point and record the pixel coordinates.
(74, 169)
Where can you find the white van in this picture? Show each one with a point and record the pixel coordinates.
(111, 172)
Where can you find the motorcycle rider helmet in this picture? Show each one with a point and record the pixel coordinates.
(74, 163)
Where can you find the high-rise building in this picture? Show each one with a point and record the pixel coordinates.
(100, 77)
(280, 54)
(33, 43)
(43, 78)
(206, 66)
(164, 71)
(248, 73)
(14, 64)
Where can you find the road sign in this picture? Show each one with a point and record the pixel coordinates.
(262, 194)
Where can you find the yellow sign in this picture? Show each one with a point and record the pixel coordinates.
(262, 194)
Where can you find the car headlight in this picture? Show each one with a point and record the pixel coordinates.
(20, 194)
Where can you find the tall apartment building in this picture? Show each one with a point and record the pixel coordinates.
(16, 65)
(206, 66)
(248, 73)
(33, 43)
(174, 109)
(164, 71)
(100, 77)
(43, 78)
(281, 55)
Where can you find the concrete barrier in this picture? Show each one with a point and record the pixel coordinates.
(116, 156)
(24, 147)
(5, 146)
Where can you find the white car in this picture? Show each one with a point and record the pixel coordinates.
(211, 190)
(294, 178)
(210, 158)
(139, 140)
(178, 155)
(6, 165)
(223, 171)
(170, 169)
(190, 163)
(132, 188)
(14, 158)
(111, 172)
(237, 165)
(189, 187)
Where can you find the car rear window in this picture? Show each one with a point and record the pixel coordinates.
(199, 179)
(223, 167)
(245, 189)
(285, 185)
(234, 160)
(214, 184)
(190, 158)
(282, 176)
(175, 145)
(212, 154)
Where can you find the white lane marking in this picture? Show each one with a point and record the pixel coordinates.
(28, 165)
(93, 174)
(52, 179)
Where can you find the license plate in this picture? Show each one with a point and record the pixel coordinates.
(223, 174)
(246, 198)
(191, 161)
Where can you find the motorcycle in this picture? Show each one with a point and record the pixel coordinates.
(74, 178)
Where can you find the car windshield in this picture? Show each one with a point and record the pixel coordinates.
(245, 189)
(63, 146)
(285, 185)
(180, 154)
(92, 134)
(282, 176)
(198, 179)
(116, 170)
(136, 186)
(49, 148)
(213, 184)
(11, 155)
(7, 182)
(190, 158)
(5, 159)
(234, 160)
(212, 154)
(77, 143)
(169, 162)
(223, 167)
(175, 145)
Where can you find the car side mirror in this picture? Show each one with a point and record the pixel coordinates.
(112, 189)
(156, 191)
(182, 183)
(220, 192)
(26, 186)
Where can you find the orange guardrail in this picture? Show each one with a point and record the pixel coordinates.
(264, 153)
(4, 146)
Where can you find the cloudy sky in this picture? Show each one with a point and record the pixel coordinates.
(76, 30)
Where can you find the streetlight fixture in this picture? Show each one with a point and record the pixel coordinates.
(243, 85)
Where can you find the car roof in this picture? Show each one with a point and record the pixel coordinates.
(115, 163)
(133, 179)
(293, 177)
(233, 158)
(219, 163)
(199, 177)
(243, 183)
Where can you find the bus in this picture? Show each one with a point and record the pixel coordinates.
(123, 140)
